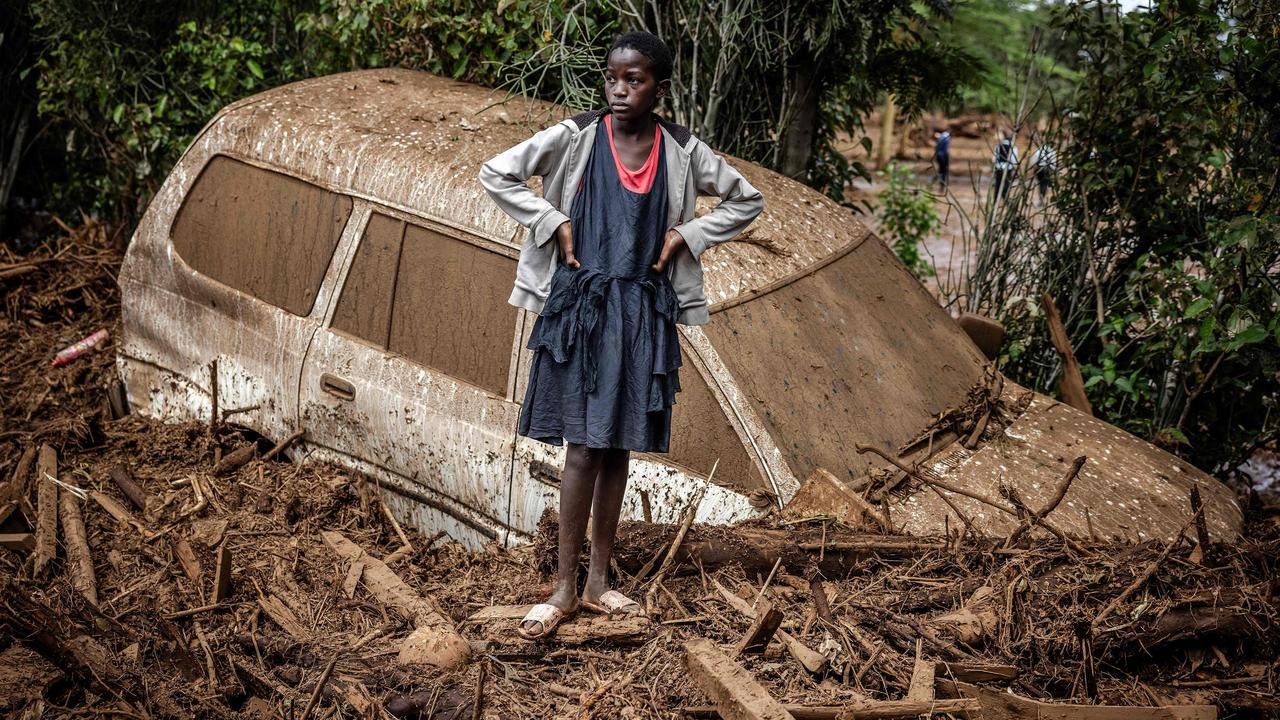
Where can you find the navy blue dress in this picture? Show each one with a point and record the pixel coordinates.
(605, 361)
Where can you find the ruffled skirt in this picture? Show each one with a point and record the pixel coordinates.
(605, 362)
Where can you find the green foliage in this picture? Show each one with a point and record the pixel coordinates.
(170, 69)
(1007, 41)
(907, 216)
(1161, 245)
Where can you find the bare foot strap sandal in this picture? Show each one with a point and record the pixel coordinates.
(540, 621)
(613, 602)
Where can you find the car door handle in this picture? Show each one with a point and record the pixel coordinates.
(337, 387)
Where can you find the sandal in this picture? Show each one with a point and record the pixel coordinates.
(545, 614)
(612, 602)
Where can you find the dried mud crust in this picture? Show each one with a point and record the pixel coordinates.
(1189, 623)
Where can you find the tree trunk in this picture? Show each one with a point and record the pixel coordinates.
(798, 135)
(884, 151)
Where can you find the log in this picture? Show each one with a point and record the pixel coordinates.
(812, 661)
(76, 542)
(13, 491)
(999, 705)
(975, 672)
(583, 629)
(222, 575)
(123, 479)
(868, 711)
(736, 694)
(235, 459)
(26, 542)
(46, 509)
(761, 630)
(434, 641)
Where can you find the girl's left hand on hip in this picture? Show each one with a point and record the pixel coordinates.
(670, 244)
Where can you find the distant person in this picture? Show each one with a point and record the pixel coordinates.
(1003, 162)
(1045, 162)
(942, 157)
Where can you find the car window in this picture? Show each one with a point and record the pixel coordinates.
(437, 300)
(364, 309)
(700, 433)
(854, 352)
(261, 232)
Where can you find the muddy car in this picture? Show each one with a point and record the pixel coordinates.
(328, 245)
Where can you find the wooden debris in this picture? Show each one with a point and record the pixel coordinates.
(1072, 385)
(1000, 705)
(761, 630)
(825, 494)
(873, 710)
(26, 542)
(975, 672)
(222, 575)
(736, 694)
(591, 628)
(284, 444)
(13, 491)
(973, 622)
(187, 559)
(1061, 492)
(921, 688)
(275, 609)
(46, 510)
(434, 641)
(352, 580)
(123, 479)
(235, 459)
(499, 612)
(812, 661)
(76, 542)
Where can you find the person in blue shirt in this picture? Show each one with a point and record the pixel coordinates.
(942, 157)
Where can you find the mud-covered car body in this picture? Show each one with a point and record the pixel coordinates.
(327, 243)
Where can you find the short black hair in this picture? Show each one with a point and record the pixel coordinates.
(649, 45)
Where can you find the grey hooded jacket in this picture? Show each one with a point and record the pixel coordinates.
(559, 155)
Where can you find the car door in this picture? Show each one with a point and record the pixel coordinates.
(410, 378)
(240, 275)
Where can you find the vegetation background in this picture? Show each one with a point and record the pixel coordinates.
(1159, 241)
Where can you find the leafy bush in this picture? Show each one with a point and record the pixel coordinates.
(1161, 245)
(907, 216)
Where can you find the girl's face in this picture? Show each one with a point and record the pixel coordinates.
(629, 85)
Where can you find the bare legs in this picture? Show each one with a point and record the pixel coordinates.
(589, 474)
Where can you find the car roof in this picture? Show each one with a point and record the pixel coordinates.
(416, 141)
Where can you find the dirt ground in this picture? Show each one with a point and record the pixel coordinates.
(299, 634)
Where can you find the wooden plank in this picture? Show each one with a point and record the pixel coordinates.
(975, 672)
(736, 694)
(585, 628)
(187, 559)
(222, 575)
(13, 491)
(997, 705)
(921, 688)
(871, 710)
(812, 661)
(25, 542)
(46, 509)
(284, 617)
(500, 612)
(76, 542)
(762, 629)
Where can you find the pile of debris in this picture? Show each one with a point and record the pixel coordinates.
(189, 570)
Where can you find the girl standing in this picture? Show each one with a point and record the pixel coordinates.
(619, 190)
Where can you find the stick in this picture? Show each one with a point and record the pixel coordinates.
(13, 492)
(324, 680)
(820, 598)
(79, 561)
(1146, 575)
(222, 575)
(685, 524)
(284, 444)
(47, 509)
(1202, 529)
(1063, 485)
(477, 701)
(194, 611)
(123, 479)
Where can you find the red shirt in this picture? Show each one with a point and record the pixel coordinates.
(637, 181)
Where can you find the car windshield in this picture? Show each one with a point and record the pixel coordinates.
(855, 351)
